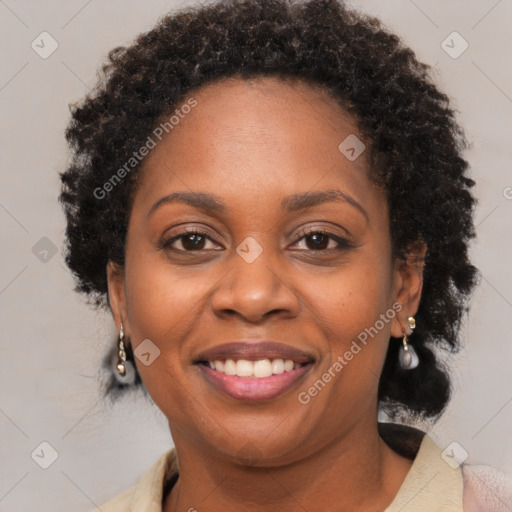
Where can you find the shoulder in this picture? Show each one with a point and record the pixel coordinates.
(147, 493)
(472, 488)
(486, 489)
(431, 483)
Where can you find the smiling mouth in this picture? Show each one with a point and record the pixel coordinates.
(260, 369)
(253, 371)
(253, 381)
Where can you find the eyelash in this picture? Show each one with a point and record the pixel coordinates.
(343, 243)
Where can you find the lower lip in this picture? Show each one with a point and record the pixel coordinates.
(253, 389)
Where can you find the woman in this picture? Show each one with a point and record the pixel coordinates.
(271, 199)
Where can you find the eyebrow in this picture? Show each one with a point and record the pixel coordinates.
(309, 199)
(295, 202)
(200, 200)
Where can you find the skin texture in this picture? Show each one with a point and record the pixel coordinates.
(252, 143)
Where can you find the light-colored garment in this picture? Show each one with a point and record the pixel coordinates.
(431, 485)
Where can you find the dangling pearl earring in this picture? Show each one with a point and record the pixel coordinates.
(124, 373)
(407, 356)
(121, 355)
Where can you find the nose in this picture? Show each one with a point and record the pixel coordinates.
(254, 291)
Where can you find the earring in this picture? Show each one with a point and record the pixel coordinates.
(124, 373)
(121, 354)
(407, 356)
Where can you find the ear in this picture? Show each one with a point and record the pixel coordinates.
(117, 296)
(408, 284)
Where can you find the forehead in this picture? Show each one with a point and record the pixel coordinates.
(263, 115)
(252, 137)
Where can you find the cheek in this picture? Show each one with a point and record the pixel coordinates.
(163, 303)
(164, 307)
(347, 302)
(354, 314)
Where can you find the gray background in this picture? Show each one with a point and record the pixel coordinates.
(52, 342)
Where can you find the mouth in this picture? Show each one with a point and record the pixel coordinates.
(254, 372)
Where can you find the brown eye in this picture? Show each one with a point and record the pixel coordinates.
(193, 241)
(318, 240)
(190, 241)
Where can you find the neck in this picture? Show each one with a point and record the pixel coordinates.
(356, 472)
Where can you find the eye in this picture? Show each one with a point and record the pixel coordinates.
(317, 239)
(190, 240)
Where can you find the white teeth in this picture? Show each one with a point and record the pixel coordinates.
(258, 369)
(262, 368)
(277, 366)
(230, 367)
(244, 368)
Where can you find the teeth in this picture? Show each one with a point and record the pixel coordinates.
(277, 366)
(230, 367)
(244, 368)
(258, 369)
(262, 368)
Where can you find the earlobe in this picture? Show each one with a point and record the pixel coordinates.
(409, 285)
(116, 294)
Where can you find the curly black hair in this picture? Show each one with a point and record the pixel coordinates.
(414, 146)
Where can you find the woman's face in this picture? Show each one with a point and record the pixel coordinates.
(258, 167)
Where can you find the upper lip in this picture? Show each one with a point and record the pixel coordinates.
(254, 351)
